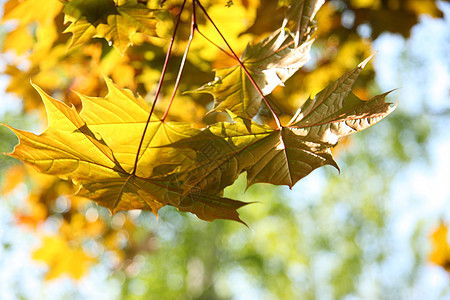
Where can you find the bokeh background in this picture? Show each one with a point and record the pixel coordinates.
(376, 230)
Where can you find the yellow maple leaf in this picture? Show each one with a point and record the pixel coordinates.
(119, 21)
(63, 257)
(103, 151)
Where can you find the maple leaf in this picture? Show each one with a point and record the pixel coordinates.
(123, 159)
(116, 21)
(97, 149)
(283, 156)
(63, 258)
(270, 63)
(35, 20)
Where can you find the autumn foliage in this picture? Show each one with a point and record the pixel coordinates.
(125, 157)
(135, 126)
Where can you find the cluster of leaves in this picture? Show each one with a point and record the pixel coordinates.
(67, 46)
(125, 158)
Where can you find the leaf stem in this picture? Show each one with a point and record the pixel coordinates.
(158, 89)
(183, 61)
(249, 76)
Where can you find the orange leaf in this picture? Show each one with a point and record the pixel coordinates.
(14, 176)
(440, 253)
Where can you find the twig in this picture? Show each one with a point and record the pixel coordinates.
(158, 89)
(249, 76)
(183, 61)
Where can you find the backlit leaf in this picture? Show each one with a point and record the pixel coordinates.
(270, 62)
(285, 155)
(337, 112)
(116, 21)
(97, 149)
(124, 161)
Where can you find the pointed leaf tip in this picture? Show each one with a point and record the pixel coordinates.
(364, 62)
